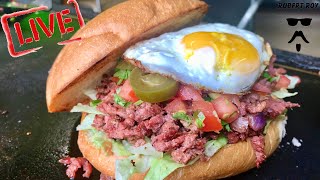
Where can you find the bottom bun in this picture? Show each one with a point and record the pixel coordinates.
(230, 160)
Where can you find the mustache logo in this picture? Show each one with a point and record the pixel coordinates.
(298, 34)
(294, 22)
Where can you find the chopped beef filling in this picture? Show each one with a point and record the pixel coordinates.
(135, 122)
(182, 139)
(74, 164)
(275, 71)
(263, 85)
(257, 143)
(276, 107)
(190, 148)
(270, 107)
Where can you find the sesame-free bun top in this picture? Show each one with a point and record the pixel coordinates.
(81, 64)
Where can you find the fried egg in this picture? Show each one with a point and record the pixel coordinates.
(216, 57)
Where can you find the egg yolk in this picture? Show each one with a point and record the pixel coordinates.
(232, 51)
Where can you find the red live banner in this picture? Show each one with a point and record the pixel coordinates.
(47, 30)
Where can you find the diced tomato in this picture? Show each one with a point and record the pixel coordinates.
(283, 82)
(114, 79)
(233, 98)
(127, 92)
(176, 105)
(189, 93)
(211, 122)
(225, 109)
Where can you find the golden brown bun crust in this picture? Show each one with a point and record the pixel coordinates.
(81, 64)
(229, 161)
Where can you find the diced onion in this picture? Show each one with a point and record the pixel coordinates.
(240, 125)
(257, 121)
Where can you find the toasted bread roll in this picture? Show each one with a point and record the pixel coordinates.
(81, 64)
(228, 161)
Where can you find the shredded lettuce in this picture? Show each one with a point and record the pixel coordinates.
(266, 75)
(119, 150)
(182, 116)
(139, 102)
(199, 118)
(91, 93)
(122, 74)
(294, 80)
(98, 138)
(225, 125)
(283, 93)
(161, 168)
(142, 163)
(85, 108)
(86, 123)
(95, 103)
(211, 147)
(139, 159)
(146, 149)
(133, 164)
(124, 169)
(118, 99)
(269, 78)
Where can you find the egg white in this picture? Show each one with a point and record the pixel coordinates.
(166, 55)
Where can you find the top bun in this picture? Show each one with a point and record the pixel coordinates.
(80, 65)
